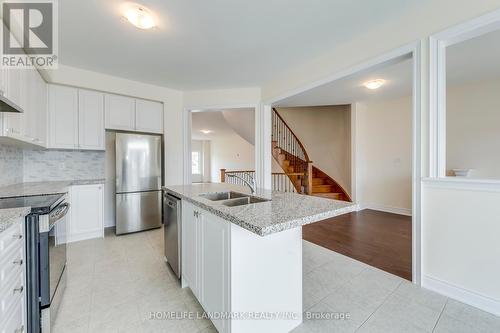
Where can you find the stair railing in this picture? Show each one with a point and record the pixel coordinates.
(288, 142)
(280, 181)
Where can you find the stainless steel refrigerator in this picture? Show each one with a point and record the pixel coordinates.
(138, 182)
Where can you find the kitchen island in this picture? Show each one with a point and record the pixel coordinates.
(242, 254)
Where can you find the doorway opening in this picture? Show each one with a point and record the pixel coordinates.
(361, 130)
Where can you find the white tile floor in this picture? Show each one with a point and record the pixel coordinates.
(114, 284)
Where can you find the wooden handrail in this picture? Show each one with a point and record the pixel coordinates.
(295, 136)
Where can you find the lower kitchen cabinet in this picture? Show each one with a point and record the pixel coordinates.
(12, 279)
(236, 274)
(205, 244)
(215, 267)
(87, 214)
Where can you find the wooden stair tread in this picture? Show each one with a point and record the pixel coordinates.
(318, 181)
(322, 188)
(336, 196)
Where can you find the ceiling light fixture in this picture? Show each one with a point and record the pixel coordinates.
(374, 84)
(140, 16)
(205, 131)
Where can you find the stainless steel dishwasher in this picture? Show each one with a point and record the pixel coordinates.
(173, 230)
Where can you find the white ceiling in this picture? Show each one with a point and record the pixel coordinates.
(213, 44)
(396, 73)
(216, 122)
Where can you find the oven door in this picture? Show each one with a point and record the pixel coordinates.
(53, 255)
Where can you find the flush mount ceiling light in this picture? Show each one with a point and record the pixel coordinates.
(374, 84)
(205, 131)
(140, 16)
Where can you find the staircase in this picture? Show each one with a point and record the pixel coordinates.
(291, 155)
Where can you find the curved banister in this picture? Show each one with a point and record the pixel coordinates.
(306, 157)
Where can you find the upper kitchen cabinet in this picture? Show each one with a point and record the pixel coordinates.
(63, 117)
(132, 114)
(148, 116)
(90, 120)
(27, 89)
(120, 112)
(76, 118)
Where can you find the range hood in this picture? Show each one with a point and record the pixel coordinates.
(7, 105)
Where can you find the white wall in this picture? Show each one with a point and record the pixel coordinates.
(325, 132)
(473, 128)
(383, 148)
(221, 98)
(230, 152)
(460, 244)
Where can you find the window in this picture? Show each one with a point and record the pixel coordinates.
(196, 163)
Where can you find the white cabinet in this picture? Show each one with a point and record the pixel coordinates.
(90, 119)
(233, 270)
(76, 118)
(215, 267)
(27, 89)
(190, 247)
(12, 279)
(148, 116)
(63, 117)
(205, 255)
(120, 112)
(87, 214)
(132, 114)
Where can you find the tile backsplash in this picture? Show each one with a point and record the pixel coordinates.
(43, 165)
(11, 165)
(30, 165)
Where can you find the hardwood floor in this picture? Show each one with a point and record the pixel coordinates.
(379, 239)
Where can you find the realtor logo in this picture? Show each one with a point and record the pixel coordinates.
(29, 34)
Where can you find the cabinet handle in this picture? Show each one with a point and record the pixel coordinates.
(19, 330)
(17, 236)
(18, 262)
(18, 290)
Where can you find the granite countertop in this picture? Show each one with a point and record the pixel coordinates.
(10, 216)
(43, 188)
(284, 211)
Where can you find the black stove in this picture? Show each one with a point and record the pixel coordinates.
(40, 204)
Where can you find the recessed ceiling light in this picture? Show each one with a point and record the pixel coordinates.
(205, 131)
(374, 84)
(140, 16)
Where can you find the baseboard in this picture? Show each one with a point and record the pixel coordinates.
(99, 233)
(387, 209)
(463, 295)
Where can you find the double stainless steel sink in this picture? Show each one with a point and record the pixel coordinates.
(232, 199)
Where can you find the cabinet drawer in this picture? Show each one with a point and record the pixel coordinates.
(11, 295)
(10, 265)
(11, 237)
(13, 323)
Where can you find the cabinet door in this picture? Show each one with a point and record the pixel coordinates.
(14, 122)
(215, 267)
(190, 246)
(148, 116)
(42, 112)
(87, 214)
(90, 120)
(63, 117)
(30, 88)
(120, 112)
